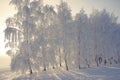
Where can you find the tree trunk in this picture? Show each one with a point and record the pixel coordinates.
(30, 69)
(79, 60)
(44, 58)
(87, 63)
(44, 69)
(105, 62)
(60, 58)
(97, 60)
(31, 72)
(66, 64)
(53, 67)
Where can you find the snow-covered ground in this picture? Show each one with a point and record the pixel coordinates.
(101, 73)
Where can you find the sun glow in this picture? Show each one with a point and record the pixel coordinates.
(6, 11)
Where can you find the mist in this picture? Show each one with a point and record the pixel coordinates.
(4, 62)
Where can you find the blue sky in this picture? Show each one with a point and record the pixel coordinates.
(112, 6)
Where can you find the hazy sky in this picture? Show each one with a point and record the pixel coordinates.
(110, 5)
(4, 62)
(5, 12)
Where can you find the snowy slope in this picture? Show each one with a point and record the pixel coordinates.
(101, 73)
